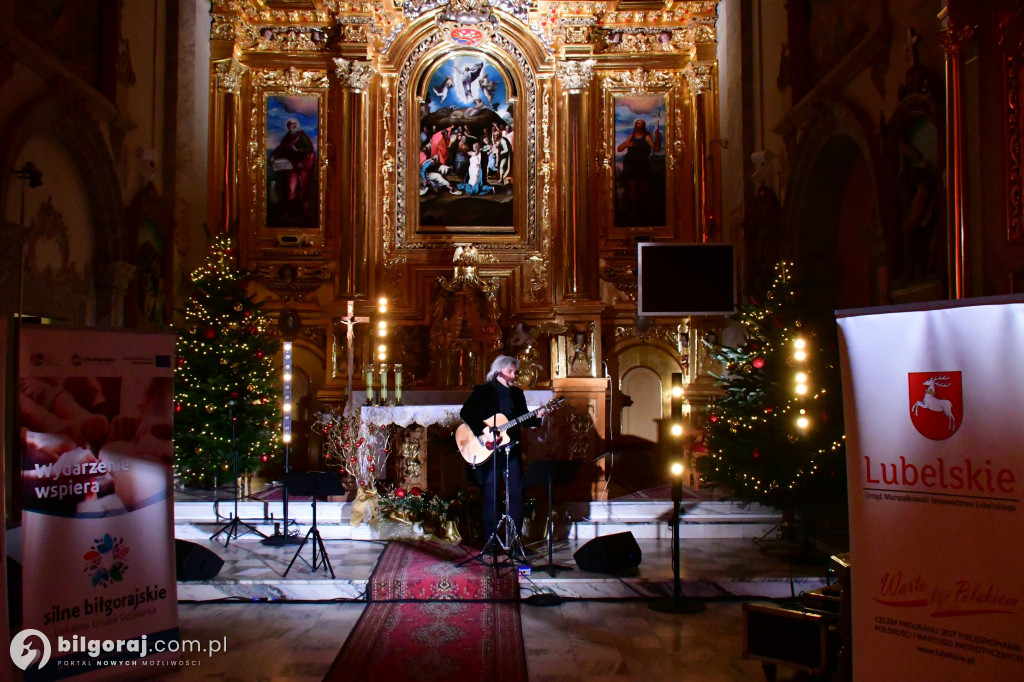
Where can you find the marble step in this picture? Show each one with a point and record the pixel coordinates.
(582, 521)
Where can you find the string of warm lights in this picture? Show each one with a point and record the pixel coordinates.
(764, 435)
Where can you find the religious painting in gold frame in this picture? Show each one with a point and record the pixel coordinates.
(640, 177)
(429, 214)
(292, 137)
(466, 155)
(288, 166)
(643, 149)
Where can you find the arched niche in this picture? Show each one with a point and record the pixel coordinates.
(75, 142)
(837, 168)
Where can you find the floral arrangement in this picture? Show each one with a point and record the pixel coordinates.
(359, 450)
(423, 508)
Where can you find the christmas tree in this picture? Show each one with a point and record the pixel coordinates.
(776, 435)
(227, 389)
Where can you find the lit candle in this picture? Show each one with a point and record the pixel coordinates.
(383, 383)
(398, 384)
(369, 384)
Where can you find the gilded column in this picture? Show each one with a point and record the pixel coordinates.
(579, 251)
(355, 78)
(698, 77)
(229, 74)
(953, 38)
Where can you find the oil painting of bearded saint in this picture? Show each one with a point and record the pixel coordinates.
(639, 161)
(292, 168)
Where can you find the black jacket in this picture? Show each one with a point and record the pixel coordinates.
(483, 403)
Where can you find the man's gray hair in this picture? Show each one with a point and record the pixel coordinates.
(500, 363)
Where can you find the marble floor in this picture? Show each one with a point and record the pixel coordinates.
(601, 629)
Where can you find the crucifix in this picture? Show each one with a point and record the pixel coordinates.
(351, 321)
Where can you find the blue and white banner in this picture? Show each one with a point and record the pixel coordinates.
(935, 443)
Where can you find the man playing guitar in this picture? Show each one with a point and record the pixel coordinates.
(499, 396)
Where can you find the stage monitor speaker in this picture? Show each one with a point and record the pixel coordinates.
(195, 562)
(613, 553)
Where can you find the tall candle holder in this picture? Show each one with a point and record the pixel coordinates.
(368, 373)
(383, 396)
(398, 384)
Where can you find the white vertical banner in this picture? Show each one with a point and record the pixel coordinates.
(934, 408)
(99, 585)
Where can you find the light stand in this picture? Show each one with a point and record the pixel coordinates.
(677, 603)
(279, 539)
(289, 322)
(231, 527)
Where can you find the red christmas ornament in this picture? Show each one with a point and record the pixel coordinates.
(264, 458)
(253, 329)
(351, 460)
(181, 361)
(371, 468)
(713, 419)
(233, 395)
(210, 333)
(758, 362)
(416, 492)
(400, 493)
(362, 483)
(177, 407)
(756, 453)
(259, 354)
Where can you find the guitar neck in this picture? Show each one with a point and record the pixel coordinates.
(513, 422)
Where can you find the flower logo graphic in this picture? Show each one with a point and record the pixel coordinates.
(105, 560)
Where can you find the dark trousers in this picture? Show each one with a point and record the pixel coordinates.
(488, 478)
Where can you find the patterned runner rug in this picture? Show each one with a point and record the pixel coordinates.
(430, 619)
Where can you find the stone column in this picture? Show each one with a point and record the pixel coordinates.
(953, 38)
(223, 197)
(699, 78)
(355, 78)
(578, 248)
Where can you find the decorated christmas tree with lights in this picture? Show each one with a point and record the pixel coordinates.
(227, 390)
(776, 435)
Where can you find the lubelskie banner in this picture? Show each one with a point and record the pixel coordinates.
(95, 414)
(933, 402)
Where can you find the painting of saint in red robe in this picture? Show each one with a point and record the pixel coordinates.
(292, 135)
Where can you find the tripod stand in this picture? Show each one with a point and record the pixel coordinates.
(231, 527)
(316, 484)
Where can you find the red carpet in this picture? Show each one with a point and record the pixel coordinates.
(462, 623)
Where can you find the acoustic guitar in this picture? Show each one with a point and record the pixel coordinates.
(477, 449)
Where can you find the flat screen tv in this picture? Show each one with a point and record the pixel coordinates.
(685, 279)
